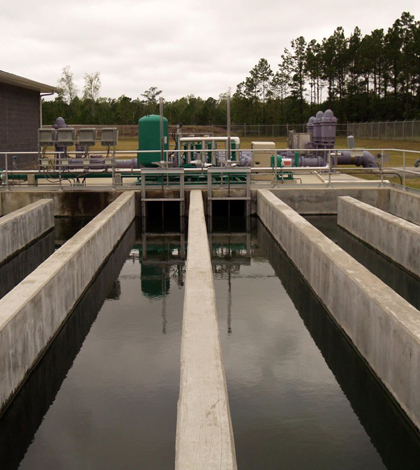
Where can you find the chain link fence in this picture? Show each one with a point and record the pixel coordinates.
(130, 131)
(386, 130)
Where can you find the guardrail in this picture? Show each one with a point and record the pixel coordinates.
(57, 169)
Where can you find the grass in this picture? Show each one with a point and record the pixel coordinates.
(410, 182)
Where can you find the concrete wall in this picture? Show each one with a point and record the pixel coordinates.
(19, 123)
(32, 313)
(396, 238)
(383, 327)
(22, 227)
(204, 437)
(405, 204)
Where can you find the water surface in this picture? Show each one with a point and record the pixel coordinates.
(300, 396)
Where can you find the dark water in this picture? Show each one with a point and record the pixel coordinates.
(300, 396)
(105, 394)
(400, 280)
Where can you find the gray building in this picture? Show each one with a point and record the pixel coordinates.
(20, 115)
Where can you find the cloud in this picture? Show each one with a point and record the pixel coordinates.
(184, 47)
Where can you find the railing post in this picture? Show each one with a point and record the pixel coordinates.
(60, 162)
(6, 166)
(404, 186)
(382, 168)
(113, 168)
(329, 168)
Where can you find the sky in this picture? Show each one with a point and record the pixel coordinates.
(182, 47)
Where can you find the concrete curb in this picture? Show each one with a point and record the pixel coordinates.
(204, 436)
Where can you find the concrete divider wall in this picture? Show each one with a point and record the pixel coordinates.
(406, 205)
(382, 325)
(204, 437)
(32, 313)
(22, 227)
(391, 235)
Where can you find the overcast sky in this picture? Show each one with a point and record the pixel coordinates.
(182, 47)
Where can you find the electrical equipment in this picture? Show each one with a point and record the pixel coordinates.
(65, 137)
(46, 137)
(261, 153)
(109, 137)
(87, 137)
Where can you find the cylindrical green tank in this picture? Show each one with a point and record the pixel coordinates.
(149, 139)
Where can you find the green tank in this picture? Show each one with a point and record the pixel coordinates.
(149, 139)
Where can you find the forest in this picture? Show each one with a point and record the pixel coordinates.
(372, 77)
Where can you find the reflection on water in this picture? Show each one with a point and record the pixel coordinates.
(400, 280)
(300, 396)
(105, 394)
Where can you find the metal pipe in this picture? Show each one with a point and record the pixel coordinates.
(162, 156)
(228, 125)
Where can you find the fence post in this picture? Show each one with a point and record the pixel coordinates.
(379, 125)
(394, 128)
(258, 130)
(412, 130)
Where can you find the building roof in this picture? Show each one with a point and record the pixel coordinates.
(22, 82)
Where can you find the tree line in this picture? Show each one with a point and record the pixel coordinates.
(361, 77)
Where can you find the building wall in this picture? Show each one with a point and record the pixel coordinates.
(19, 122)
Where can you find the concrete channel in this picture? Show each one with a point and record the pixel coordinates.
(384, 328)
(23, 226)
(393, 236)
(33, 312)
(204, 437)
